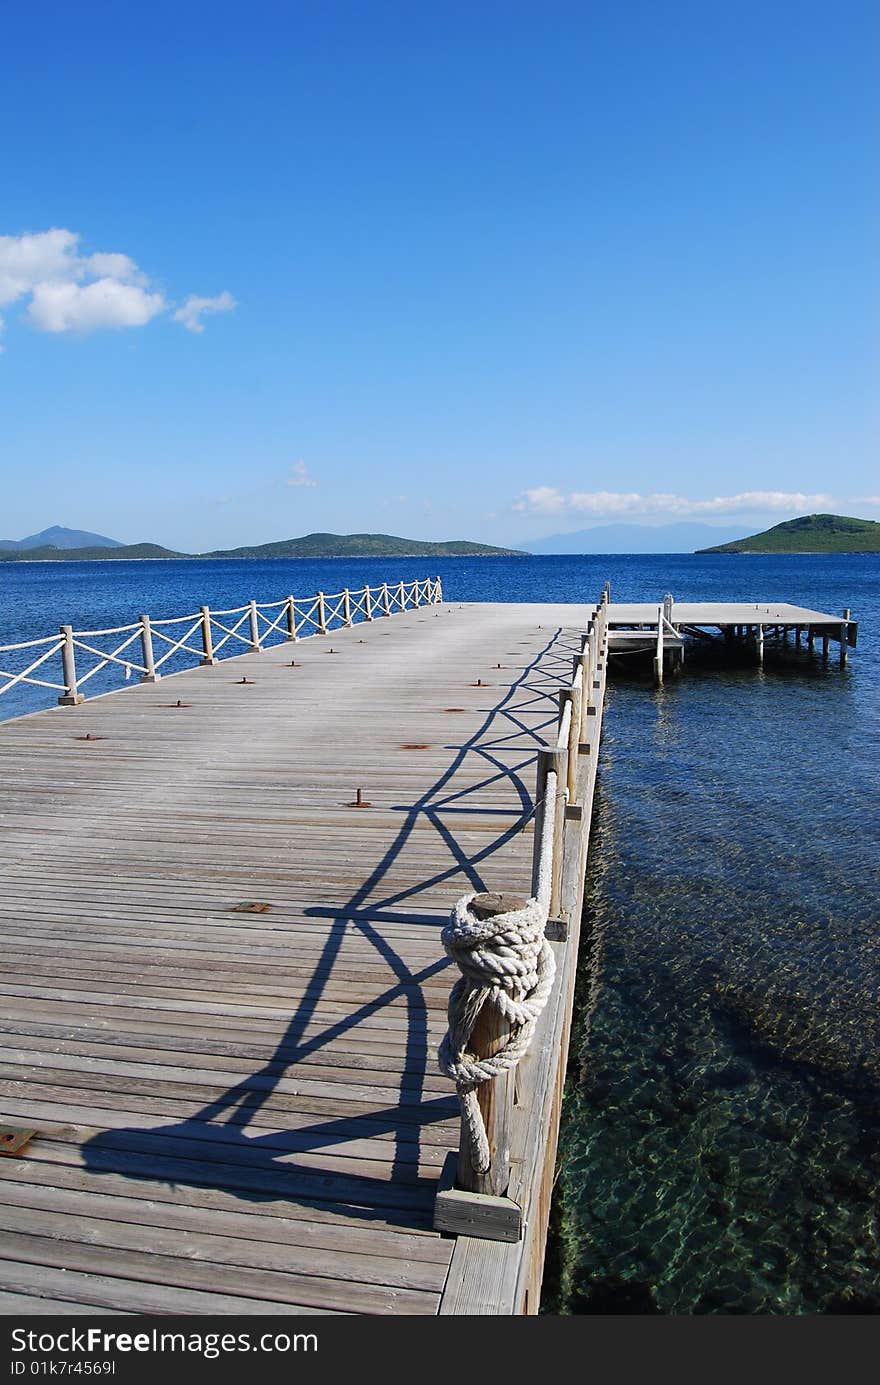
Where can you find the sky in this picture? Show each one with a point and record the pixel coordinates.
(489, 270)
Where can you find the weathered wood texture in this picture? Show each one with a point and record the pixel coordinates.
(240, 1111)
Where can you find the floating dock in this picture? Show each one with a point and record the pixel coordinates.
(223, 982)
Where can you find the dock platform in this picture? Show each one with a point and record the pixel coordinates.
(223, 985)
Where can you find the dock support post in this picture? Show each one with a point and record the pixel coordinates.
(149, 675)
(291, 619)
(254, 627)
(811, 638)
(71, 696)
(843, 638)
(322, 615)
(759, 643)
(658, 657)
(346, 607)
(208, 657)
(825, 649)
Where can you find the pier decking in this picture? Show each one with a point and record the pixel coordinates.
(223, 985)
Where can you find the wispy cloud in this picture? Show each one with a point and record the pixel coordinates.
(67, 291)
(299, 476)
(194, 309)
(549, 500)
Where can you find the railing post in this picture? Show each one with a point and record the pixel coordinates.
(401, 595)
(255, 627)
(149, 675)
(568, 695)
(667, 607)
(71, 696)
(291, 619)
(207, 638)
(547, 760)
(368, 604)
(490, 1034)
(417, 593)
(322, 615)
(346, 607)
(386, 604)
(438, 591)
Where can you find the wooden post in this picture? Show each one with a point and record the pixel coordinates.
(825, 649)
(495, 1098)
(668, 603)
(207, 638)
(571, 749)
(322, 615)
(438, 591)
(401, 595)
(386, 604)
(417, 593)
(368, 604)
(811, 638)
(759, 643)
(843, 635)
(346, 606)
(658, 657)
(548, 759)
(150, 675)
(71, 696)
(254, 625)
(291, 619)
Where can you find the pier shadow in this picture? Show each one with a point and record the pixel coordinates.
(232, 1143)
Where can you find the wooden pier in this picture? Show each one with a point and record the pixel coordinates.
(223, 985)
(223, 981)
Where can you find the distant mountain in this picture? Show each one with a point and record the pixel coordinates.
(59, 537)
(359, 546)
(48, 553)
(682, 537)
(810, 534)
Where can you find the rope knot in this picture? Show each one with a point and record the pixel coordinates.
(506, 962)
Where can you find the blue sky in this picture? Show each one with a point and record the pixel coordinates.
(487, 270)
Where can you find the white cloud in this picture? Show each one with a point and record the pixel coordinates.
(57, 306)
(191, 312)
(299, 476)
(549, 500)
(71, 292)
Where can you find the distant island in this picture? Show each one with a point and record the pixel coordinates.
(810, 534)
(74, 545)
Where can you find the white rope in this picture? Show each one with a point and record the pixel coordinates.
(505, 962)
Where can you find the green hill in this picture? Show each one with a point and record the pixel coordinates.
(49, 553)
(810, 534)
(309, 546)
(358, 546)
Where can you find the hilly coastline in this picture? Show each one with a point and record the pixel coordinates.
(308, 546)
(810, 534)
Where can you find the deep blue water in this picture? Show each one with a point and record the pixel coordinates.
(720, 1147)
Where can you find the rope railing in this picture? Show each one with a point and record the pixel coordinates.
(148, 645)
(500, 943)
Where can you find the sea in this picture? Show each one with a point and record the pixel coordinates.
(720, 1144)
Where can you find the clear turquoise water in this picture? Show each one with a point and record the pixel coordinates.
(720, 1147)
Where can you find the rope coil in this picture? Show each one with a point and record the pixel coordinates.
(506, 962)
